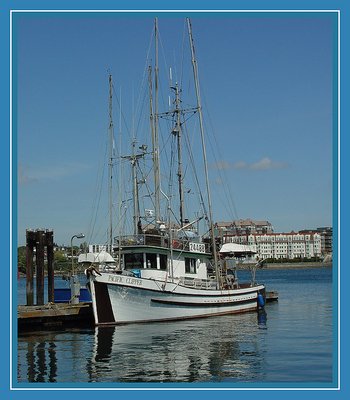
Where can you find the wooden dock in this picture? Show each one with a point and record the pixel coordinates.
(271, 296)
(54, 315)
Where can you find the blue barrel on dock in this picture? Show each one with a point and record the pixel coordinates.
(261, 300)
(63, 295)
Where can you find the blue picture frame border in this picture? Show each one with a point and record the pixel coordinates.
(340, 188)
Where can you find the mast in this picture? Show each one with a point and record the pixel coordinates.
(155, 130)
(177, 132)
(133, 158)
(199, 107)
(120, 184)
(154, 148)
(110, 166)
(135, 188)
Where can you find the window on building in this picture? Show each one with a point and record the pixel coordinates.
(190, 265)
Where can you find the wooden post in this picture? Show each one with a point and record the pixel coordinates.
(29, 268)
(39, 239)
(50, 268)
(40, 236)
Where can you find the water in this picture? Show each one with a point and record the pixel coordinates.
(290, 345)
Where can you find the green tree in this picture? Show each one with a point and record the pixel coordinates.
(21, 259)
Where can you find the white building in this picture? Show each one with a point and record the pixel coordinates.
(243, 227)
(281, 245)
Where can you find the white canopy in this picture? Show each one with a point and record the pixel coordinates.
(101, 257)
(236, 248)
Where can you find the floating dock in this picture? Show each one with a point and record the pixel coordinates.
(54, 315)
(271, 296)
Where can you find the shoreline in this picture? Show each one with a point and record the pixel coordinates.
(299, 265)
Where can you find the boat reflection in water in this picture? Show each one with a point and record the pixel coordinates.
(228, 348)
(41, 361)
(53, 356)
(206, 350)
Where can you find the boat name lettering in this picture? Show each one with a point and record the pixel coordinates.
(197, 247)
(115, 278)
(134, 281)
(128, 280)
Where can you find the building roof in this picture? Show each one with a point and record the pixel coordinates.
(236, 249)
(242, 222)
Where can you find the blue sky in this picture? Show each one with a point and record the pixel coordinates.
(266, 79)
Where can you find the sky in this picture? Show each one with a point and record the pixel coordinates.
(267, 85)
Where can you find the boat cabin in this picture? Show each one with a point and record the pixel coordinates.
(152, 256)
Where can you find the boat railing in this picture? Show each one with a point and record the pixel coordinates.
(178, 243)
(197, 283)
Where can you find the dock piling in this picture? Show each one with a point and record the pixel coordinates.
(40, 267)
(50, 269)
(29, 269)
(37, 240)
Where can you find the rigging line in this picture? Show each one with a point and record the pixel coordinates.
(184, 37)
(145, 181)
(140, 111)
(171, 176)
(164, 104)
(138, 102)
(164, 147)
(161, 91)
(97, 199)
(144, 83)
(228, 203)
(122, 113)
(101, 226)
(163, 54)
(164, 150)
(192, 161)
(117, 228)
(204, 152)
(222, 174)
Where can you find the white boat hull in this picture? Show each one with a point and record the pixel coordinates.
(119, 299)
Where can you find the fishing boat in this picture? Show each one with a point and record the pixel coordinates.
(167, 270)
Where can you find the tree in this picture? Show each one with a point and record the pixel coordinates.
(21, 258)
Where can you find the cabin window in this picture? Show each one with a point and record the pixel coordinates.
(151, 260)
(134, 260)
(190, 265)
(163, 261)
